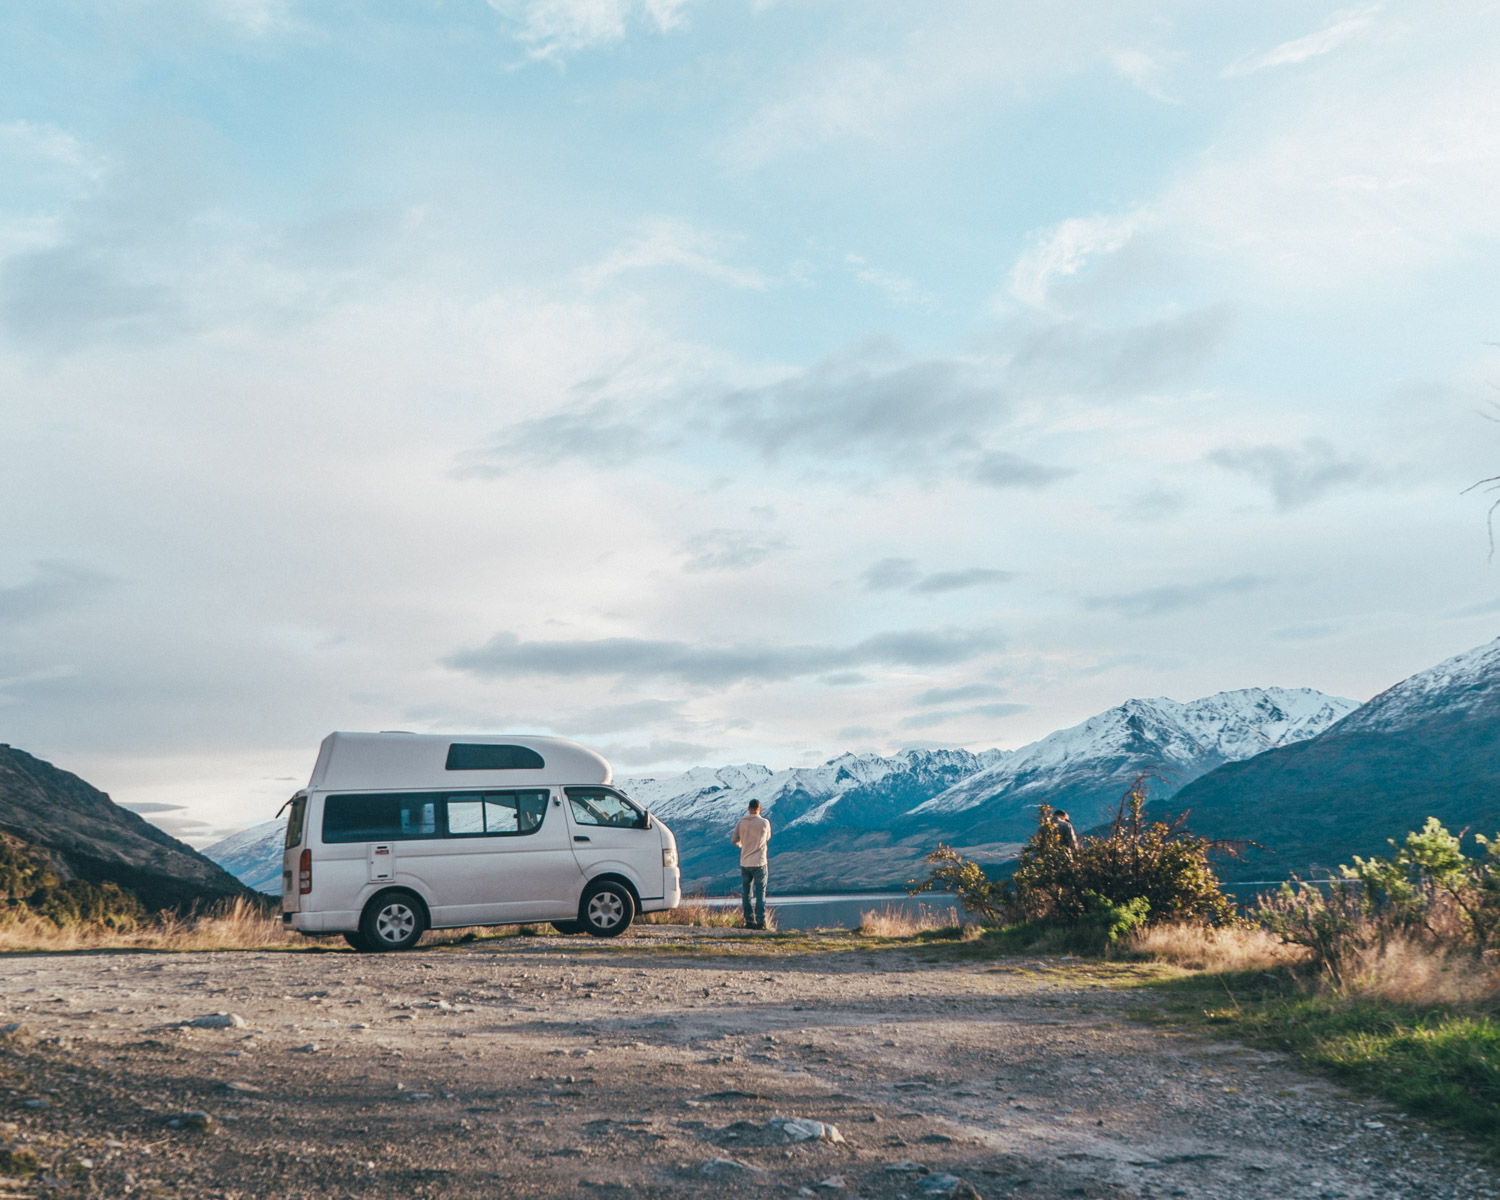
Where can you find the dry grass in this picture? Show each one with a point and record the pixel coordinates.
(240, 925)
(1406, 971)
(898, 921)
(695, 910)
(1200, 948)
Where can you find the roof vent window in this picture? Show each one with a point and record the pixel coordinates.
(471, 756)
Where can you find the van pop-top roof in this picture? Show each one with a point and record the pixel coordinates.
(388, 761)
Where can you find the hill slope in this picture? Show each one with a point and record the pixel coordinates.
(1429, 746)
(86, 835)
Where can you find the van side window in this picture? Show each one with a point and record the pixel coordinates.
(475, 756)
(384, 817)
(495, 814)
(600, 806)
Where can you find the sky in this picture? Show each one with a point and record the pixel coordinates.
(718, 381)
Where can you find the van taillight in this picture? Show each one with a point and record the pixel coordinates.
(304, 873)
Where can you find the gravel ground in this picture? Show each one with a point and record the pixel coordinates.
(664, 1064)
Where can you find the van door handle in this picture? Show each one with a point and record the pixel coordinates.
(579, 838)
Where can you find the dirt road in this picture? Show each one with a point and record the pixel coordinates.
(664, 1064)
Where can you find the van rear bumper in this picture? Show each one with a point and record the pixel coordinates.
(321, 922)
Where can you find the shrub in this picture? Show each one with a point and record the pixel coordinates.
(1138, 872)
(1427, 903)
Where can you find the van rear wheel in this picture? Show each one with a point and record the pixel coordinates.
(394, 921)
(607, 909)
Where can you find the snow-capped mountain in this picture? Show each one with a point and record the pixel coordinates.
(1088, 767)
(253, 855)
(802, 795)
(863, 820)
(1461, 686)
(1429, 746)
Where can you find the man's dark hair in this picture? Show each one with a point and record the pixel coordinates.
(754, 806)
(1061, 814)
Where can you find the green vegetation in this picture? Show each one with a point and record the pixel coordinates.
(31, 888)
(1087, 898)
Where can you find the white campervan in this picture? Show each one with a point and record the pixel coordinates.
(397, 833)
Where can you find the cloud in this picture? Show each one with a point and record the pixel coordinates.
(1158, 601)
(655, 753)
(866, 408)
(1001, 470)
(953, 695)
(1296, 476)
(1349, 24)
(144, 806)
(551, 29)
(992, 712)
(600, 432)
(719, 665)
(893, 574)
(899, 290)
(1064, 250)
(670, 243)
(616, 718)
(1307, 631)
(849, 404)
(889, 574)
(728, 549)
(954, 581)
(57, 586)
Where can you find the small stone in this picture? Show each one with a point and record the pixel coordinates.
(239, 1085)
(419, 1095)
(795, 1129)
(218, 1020)
(199, 1121)
(833, 1183)
(310, 1048)
(14, 1029)
(39, 1102)
(728, 1168)
(944, 1185)
(906, 1167)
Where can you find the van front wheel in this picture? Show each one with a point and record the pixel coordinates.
(394, 921)
(607, 910)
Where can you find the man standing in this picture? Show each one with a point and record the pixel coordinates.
(752, 835)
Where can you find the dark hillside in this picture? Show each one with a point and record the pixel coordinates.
(86, 835)
(1430, 746)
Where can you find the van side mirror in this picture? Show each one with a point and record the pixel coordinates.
(647, 824)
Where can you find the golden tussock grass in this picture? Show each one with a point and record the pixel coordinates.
(898, 921)
(1201, 948)
(1404, 970)
(239, 925)
(695, 910)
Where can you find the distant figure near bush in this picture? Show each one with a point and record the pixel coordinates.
(1138, 873)
(1065, 827)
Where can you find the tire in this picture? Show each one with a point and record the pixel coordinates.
(568, 927)
(357, 940)
(607, 909)
(393, 921)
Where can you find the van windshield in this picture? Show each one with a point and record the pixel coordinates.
(294, 822)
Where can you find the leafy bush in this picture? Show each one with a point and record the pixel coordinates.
(1139, 872)
(1427, 893)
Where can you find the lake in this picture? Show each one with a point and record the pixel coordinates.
(841, 911)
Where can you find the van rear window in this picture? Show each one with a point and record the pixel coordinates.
(475, 756)
(294, 822)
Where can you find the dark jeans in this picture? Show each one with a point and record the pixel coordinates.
(754, 879)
